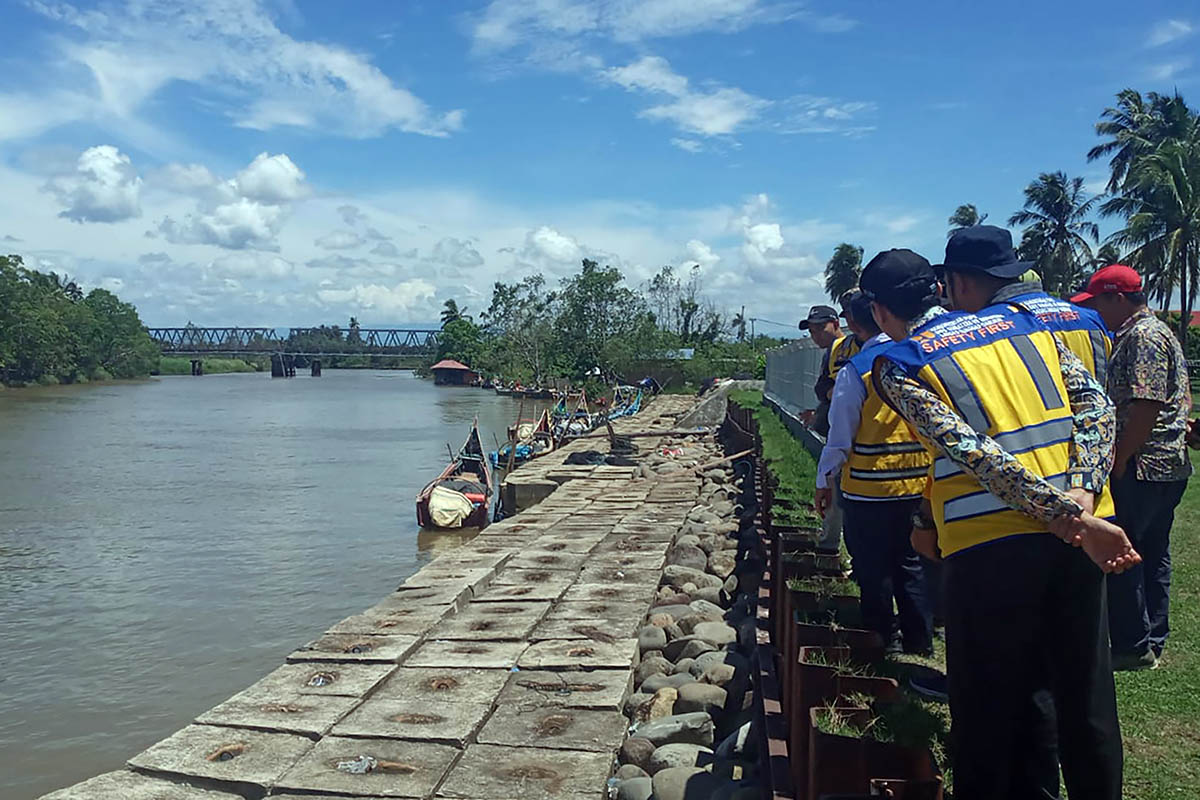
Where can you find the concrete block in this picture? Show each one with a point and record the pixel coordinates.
(624, 560)
(615, 576)
(484, 655)
(419, 719)
(519, 493)
(632, 543)
(470, 578)
(347, 680)
(604, 628)
(225, 754)
(289, 712)
(377, 620)
(515, 576)
(492, 621)
(604, 689)
(610, 593)
(444, 685)
(389, 767)
(625, 613)
(126, 785)
(567, 544)
(556, 727)
(460, 559)
(528, 773)
(543, 559)
(580, 654)
(448, 594)
(550, 590)
(348, 647)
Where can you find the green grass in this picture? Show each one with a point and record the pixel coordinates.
(173, 365)
(1159, 709)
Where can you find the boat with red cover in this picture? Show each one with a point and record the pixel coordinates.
(461, 496)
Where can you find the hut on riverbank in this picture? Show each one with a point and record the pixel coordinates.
(448, 372)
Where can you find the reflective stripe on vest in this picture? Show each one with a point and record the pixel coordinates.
(1000, 371)
(885, 462)
(1081, 330)
(840, 353)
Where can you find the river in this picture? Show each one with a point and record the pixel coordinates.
(166, 543)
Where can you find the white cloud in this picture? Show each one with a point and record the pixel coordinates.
(547, 244)
(1168, 70)
(399, 299)
(250, 264)
(689, 145)
(351, 215)
(240, 224)
(651, 74)
(104, 187)
(272, 179)
(1169, 30)
(700, 253)
(385, 249)
(456, 253)
(262, 77)
(339, 240)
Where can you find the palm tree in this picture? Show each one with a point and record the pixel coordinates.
(1056, 211)
(1107, 255)
(1137, 126)
(452, 313)
(738, 324)
(965, 216)
(1161, 205)
(842, 271)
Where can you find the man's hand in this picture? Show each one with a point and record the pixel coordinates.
(1105, 543)
(924, 541)
(822, 500)
(1084, 498)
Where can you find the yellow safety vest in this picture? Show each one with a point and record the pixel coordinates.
(1000, 371)
(840, 352)
(1081, 330)
(886, 460)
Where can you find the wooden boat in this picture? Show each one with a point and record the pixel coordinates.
(461, 496)
(532, 439)
(503, 391)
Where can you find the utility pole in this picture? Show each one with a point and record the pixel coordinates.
(752, 321)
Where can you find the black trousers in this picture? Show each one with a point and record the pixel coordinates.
(886, 567)
(1027, 615)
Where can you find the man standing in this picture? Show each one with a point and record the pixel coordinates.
(882, 469)
(822, 325)
(1148, 382)
(990, 396)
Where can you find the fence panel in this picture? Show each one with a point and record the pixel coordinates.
(791, 372)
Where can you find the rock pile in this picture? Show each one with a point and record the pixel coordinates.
(691, 710)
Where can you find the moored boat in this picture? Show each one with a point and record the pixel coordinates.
(461, 495)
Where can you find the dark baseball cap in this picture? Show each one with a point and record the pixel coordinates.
(817, 315)
(856, 306)
(984, 248)
(900, 274)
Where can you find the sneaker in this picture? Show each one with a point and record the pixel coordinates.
(931, 685)
(1133, 662)
(893, 648)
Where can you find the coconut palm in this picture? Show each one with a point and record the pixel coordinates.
(1137, 126)
(965, 216)
(842, 271)
(452, 313)
(1059, 231)
(738, 324)
(1161, 206)
(1106, 256)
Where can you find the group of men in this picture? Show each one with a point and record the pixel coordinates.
(1011, 461)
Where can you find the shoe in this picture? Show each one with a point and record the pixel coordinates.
(1133, 662)
(931, 685)
(893, 648)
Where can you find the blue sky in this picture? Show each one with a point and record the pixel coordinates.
(286, 162)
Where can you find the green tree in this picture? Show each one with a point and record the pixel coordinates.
(600, 320)
(354, 336)
(965, 216)
(1136, 126)
(1106, 256)
(738, 324)
(451, 312)
(461, 340)
(118, 342)
(1058, 233)
(843, 269)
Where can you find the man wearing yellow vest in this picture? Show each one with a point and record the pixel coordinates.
(991, 396)
(882, 468)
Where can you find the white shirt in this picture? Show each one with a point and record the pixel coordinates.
(845, 412)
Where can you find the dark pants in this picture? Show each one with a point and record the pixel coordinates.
(1138, 597)
(885, 567)
(1026, 615)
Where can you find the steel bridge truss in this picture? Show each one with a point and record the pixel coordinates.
(299, 341)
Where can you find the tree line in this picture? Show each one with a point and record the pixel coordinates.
(1152, 143)
(593, 322)
(51, 332)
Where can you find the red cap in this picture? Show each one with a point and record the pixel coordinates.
(1110, 280)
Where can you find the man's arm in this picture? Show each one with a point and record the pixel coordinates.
(845, 411)
(1139, 422)
(1093, 432)
(824, 385)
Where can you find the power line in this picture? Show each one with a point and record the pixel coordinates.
(772, 322)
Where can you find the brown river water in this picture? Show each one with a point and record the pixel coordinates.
(166, 543)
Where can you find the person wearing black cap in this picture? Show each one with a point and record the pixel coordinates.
(990, 394)
(881, 468)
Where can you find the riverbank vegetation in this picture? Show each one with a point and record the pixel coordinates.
(51, 332)
(594, 323)
(181, 365)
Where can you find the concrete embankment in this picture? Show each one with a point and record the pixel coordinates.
(597, 631)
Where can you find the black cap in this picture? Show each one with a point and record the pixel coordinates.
(817, 315)
(899, 274)
(857, 306)
(984, 248)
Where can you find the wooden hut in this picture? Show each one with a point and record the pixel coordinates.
(448, 372)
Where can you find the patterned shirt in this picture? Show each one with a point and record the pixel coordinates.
(1091, 448)
(1148, 364)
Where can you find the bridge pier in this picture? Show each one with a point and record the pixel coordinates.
(277, 370)
(197, 366)
(315, 364)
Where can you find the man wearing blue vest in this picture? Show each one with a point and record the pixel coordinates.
(1022, 437)
(882, 470)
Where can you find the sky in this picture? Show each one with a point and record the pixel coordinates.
(289, 162)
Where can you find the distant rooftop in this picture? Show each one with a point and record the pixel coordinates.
(448, 363)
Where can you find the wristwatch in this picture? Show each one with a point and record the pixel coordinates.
(922, 520)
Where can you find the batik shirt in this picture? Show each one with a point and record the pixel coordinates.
(1147, 364)
(1091, 448)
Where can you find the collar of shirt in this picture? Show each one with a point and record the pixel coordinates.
(875, 341)
(925, 317)
(1134, 319)
(1016, 289)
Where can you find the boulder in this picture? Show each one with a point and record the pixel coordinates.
(654, 665)
(688, 555)
(687, 540)
(718, 634)
(700, 697)
(682, 666)
(706, 660)
(635, 789)
(636, 750)
(694, 728)
(673, 632)
(677, 576)
(662, 704)
(684, 783)
(679, 755)
(656, 682)
(651, 637)
(707, 608)
(635, 701)
(718, 674)
(674, 649)
(627, 771)
(722, 562)
(659, 620)
(674, 610)
(694, 649)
